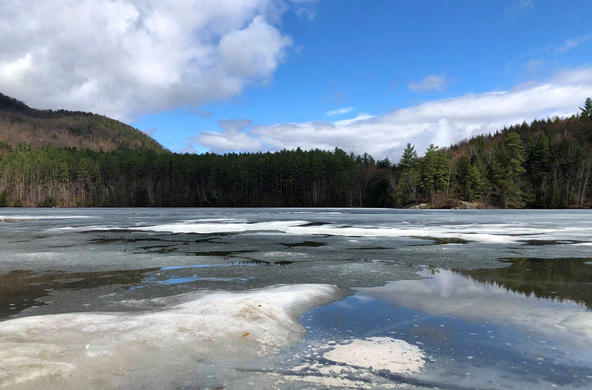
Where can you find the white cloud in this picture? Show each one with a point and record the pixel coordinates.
(340, 111)
(187, 149)
(574, 42)
(232, 138)
(127, 57)
(433, 81)
(440, 121)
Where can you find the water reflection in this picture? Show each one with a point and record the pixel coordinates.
(21, 289)
(477, 333)
(561, 279)
(447, 293)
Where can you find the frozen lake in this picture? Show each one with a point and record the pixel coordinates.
(295, 298)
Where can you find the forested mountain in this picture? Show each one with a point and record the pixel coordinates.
(20, 123)
(545, 164)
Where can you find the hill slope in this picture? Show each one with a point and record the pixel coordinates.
(20, 123)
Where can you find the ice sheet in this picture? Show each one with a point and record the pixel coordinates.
(66, 350)
(485, 233)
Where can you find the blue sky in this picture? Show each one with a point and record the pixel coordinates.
(363, 54)
(265, 74)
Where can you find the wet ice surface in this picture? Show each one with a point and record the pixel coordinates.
(190, 298)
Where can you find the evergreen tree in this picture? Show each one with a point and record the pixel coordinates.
(586, 111)
(407, 188)
(469, 179)
(409, 157)
(4, 199)
(433, 172)
(515, 155)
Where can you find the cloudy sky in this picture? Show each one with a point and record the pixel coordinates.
(251, 75)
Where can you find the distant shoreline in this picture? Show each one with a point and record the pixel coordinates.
(411, 208)
(543, 165)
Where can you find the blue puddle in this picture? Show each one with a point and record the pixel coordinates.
(234, 264)
(185, 279)
(455, 346)
(176, 279)
(180, 280)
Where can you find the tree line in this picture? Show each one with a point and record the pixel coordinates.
(545, 164)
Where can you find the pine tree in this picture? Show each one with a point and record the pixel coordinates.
(429, 171)
(469, 179)
(407, 189)
(587, 110)
(409, 157)
(512, 157)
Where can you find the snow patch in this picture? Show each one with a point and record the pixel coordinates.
(52, 351)
(379, 353)
(485, 233)
(232, 227)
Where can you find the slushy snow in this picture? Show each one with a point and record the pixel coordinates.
(67, 350)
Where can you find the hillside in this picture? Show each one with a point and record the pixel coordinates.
(21, 124)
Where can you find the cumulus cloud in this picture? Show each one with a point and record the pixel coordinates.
(127, 57)
(187, 149)
(340, 111)
(430, 82)
(232, 138)
(441, 122)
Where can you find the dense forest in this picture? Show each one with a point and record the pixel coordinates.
(545, 164)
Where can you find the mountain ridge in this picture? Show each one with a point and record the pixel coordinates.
(21, 124)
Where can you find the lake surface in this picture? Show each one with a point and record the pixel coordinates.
(295, 298)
